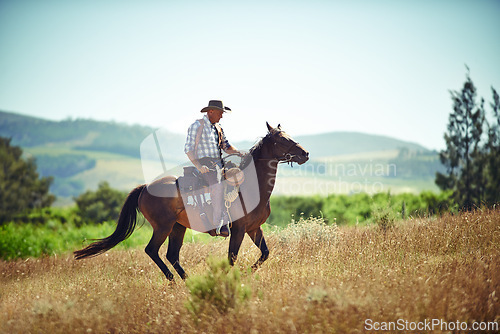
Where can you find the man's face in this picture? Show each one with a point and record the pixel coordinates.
(214, 115)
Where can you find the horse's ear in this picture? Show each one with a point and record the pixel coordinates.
(279, 126)
(270, 128)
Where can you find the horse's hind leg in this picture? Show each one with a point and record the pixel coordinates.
(152, 249)
(175, 240)
(258, 238)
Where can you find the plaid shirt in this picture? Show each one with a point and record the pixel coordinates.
(208, 146)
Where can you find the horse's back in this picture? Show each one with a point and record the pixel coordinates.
(159, 203)
(165, 187)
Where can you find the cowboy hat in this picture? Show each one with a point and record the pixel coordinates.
(215, 104)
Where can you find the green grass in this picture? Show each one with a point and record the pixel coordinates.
(35, 240)
(55, 238)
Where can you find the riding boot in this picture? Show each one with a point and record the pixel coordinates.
(223, 229)
(216, 189)
(219, 222)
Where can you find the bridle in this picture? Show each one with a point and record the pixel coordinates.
(286, 157)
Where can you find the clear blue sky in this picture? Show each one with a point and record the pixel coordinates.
(382, 67)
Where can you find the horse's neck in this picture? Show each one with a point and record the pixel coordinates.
(266, 174)
(266, 170)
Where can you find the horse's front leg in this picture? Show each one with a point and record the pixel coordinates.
(237, 235)
(258, 238)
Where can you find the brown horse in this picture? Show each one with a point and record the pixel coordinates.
(168, 217)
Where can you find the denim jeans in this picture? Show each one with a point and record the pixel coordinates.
(216, 189)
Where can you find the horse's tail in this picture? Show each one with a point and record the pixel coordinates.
(125, 227)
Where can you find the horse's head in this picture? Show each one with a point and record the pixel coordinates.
(284, 148)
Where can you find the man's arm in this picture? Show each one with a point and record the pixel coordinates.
(233, 150)
(196, 163)
(228, 148)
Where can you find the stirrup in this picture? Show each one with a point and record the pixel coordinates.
(217, 230)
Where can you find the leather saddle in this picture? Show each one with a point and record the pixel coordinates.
(191, 180)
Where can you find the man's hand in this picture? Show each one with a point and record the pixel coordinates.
(204, 169)
(233, 150)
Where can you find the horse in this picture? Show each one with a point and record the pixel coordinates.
(167, 214)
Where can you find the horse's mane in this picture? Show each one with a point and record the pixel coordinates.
(254, 152)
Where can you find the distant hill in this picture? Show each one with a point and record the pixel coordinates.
(79, 134)
(80, 153)
(341, 143)
(121, 138)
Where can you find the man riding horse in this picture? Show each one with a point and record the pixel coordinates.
(204, 145)
(168, 215)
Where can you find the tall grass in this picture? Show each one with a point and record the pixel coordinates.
(318, 279)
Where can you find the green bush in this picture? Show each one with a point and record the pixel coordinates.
(217, 290)
(47, 215)
(21, 188)
(21, 241)
(347, 209)
(54, 237)
(286, 208)
(101, 205)
(51, 231)
(357, 208)
(384, 215)
(310, 231)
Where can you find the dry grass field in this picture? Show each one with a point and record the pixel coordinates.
(318, 279)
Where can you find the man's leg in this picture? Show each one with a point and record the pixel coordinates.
(217, 197)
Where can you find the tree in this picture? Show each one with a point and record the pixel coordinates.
(471, 163)
(492, 152)
(101, 205)
(21, 188)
